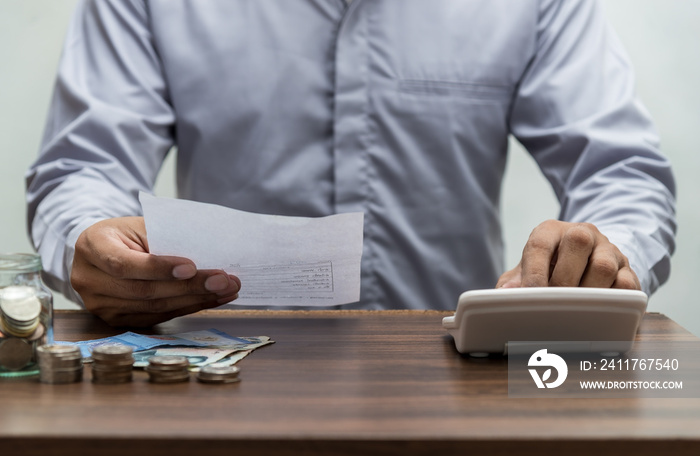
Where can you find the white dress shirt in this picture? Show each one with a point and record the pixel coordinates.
(400, 109)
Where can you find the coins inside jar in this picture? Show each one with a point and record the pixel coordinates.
(20, 309)
(15, 354)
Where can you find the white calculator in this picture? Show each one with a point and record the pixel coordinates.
(574, 319)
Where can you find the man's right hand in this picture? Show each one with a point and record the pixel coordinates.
(120, 282)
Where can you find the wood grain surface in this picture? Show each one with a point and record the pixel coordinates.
(336, 382)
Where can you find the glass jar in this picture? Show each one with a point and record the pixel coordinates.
(26, 314)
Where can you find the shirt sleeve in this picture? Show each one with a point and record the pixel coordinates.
(109, 127)
(577, 114)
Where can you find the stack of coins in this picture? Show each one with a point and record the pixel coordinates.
(20, 309)
(112, 363)
(168, 369)
(59, 364)
(218, 374)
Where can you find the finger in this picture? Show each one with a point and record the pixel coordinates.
(205, 282)
(538, 253)
(576, 246)
(627, 279)
(130, 264)
(121, 252)
(602, 269)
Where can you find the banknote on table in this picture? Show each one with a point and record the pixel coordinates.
(202, 356)
(137, 341)
(202, 347)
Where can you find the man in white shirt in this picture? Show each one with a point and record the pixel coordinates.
(400, 109)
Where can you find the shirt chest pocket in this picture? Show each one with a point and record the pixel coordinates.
(473, 50)
(483, 92)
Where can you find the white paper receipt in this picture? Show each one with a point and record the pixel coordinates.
(281, 261)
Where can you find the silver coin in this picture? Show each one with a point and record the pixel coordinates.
(126, 363)
(205, 379)
(168, 361)
(218, 374)
(52, 361)
(19, 323)
(58, 366)
(215, 379)
(23, 331)
(112, 363)
(111, 374)
(112, 350)
(54, 364)
(168, 369)
(58, 350)
(181, 377)
(61, 375)
(58, 358)
(20, 303)
(59, 363)
(213, 369)
(111, 377)
(166, 372)
(111, 368)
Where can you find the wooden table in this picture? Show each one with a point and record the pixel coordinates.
(336, 383)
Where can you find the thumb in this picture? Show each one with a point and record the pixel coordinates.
(511, 279)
